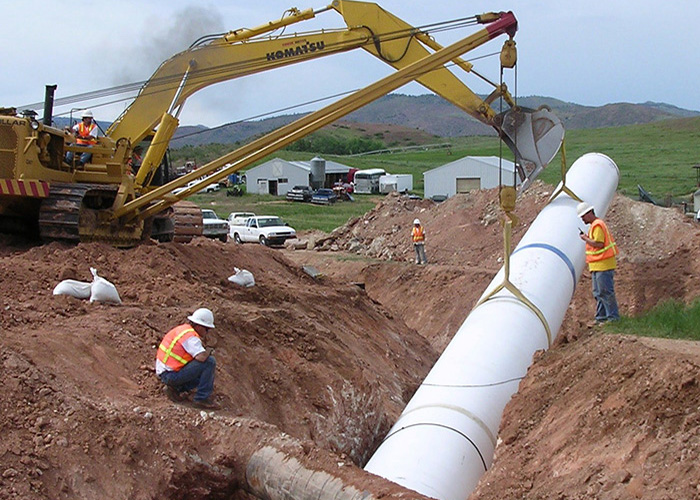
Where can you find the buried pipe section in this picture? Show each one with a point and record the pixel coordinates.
(445, 438)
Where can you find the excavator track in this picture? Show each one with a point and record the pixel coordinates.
(180, 222)
(187, 217)
(82, 213)
(59, 214)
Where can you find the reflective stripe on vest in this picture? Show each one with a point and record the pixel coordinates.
(171, 352)
(609, 249)
(418, 234)
(84, 136)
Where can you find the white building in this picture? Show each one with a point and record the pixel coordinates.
(277, 176)
(466, 174)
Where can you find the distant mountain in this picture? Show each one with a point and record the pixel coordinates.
(431, 115)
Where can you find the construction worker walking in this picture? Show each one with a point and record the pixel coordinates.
(183, 363)
(418, 237)
(601, 250)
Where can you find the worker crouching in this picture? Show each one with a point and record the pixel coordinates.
(183, 363)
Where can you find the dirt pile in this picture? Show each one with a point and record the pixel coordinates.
(84, 414)
(608, 417)
(320, 368)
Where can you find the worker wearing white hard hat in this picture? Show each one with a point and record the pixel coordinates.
(418, 239)
(601, 251)
(85, 132)
(183, 364)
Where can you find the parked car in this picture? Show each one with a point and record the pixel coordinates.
(239, 218)
(324, 196)
(214, 226)
(210, 188)
(300, 193)
(267, 230)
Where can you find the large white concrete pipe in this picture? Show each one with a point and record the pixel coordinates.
(445, 438)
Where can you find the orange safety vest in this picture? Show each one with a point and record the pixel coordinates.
(84, 136)
(171, 352)
(609, 249)
(418, 234)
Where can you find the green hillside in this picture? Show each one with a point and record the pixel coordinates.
(659, 156)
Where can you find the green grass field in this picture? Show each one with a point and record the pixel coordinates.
(671, 320)
(658, 156)
(301, 216)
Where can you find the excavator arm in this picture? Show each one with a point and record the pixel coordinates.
(421, 69)
(103, 201)
(370, 27)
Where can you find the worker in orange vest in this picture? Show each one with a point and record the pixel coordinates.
(134, 163)
(183, 363)
(601, 250)
(418, 238)
(85, 135)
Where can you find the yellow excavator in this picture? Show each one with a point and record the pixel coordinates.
(102, 200)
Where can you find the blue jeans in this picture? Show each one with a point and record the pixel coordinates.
(84, 157)
(420, 253)
(604, 293)
(194, 375)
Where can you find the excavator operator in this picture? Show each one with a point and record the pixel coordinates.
(85, 135)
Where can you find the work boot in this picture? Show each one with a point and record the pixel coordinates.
(206, 404)
(173, 394)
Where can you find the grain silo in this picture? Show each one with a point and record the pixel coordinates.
(318, 172)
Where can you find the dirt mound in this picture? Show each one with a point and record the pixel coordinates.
(606, 417)
(85, 413)
(320, 368)
(597, 416)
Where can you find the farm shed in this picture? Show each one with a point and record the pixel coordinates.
(465, 174)
(277, 176)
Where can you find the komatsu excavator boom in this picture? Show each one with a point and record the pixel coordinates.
(104, 201)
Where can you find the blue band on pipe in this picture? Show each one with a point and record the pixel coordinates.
(556, 251)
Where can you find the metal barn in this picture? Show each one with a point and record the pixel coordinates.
(277, 176)
(466, 174)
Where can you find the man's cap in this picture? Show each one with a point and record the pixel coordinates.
(416, 221)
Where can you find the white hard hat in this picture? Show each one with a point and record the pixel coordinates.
(583, 208)
(203, 317)
(86, 114)
(416, 221)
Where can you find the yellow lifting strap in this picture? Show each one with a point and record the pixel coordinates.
(564, 188)
(507, 200)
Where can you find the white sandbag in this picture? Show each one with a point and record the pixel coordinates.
(102, 290)
(242, 277)
(77, 289)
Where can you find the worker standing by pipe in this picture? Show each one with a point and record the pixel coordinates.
(601, 250)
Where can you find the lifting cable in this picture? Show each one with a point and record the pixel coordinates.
(507, 196)
(170, 82)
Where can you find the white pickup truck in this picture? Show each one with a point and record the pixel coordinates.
(214, 226)
(264, 229)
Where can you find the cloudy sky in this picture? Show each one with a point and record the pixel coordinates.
(591, 53)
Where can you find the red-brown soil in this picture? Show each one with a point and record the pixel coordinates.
(321, 368)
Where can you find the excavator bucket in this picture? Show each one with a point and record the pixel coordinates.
(534, 136)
